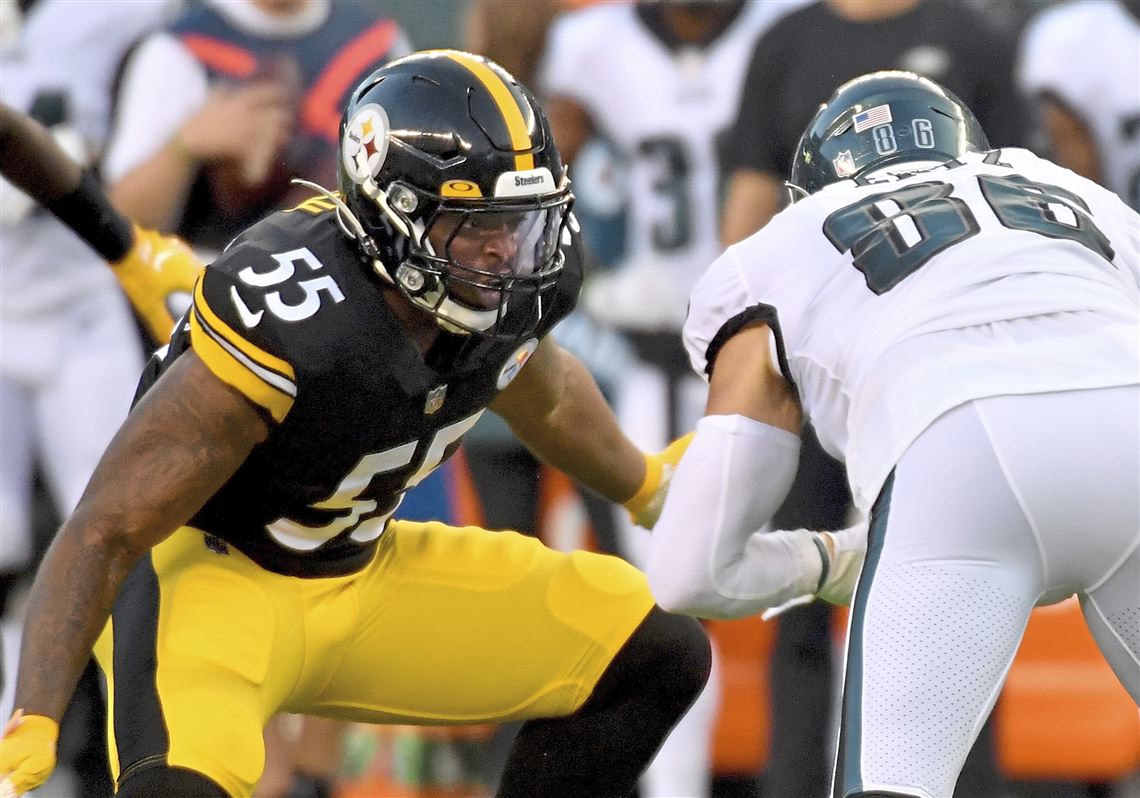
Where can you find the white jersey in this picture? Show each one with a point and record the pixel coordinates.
(982, 278)
(1087, 54)
(663, 109)
(72, 51)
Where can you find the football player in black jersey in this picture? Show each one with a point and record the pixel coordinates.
(235, 553)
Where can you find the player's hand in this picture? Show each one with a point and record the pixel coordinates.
(842, 553)
(239, 122)
(27, 753)
(645, 506)
(841, 559)
(158, 276)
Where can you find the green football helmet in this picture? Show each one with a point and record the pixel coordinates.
(881, 119)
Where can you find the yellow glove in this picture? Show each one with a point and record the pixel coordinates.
(158, 276)
(27, 753)
(645, 505)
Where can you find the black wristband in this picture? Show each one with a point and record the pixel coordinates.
(88, 213)
(825, 560)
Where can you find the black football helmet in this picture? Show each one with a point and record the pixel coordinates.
(455, 190)
(880, 119)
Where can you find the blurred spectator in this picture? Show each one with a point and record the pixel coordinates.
(216, 114)
(660, 82)
(1081, 63)
(813, 50)
(512, 33)
(794, 68)
(69, 349)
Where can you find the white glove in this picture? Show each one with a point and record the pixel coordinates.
(842, 553)
(841, 558)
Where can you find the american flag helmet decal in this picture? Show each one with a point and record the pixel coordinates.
(879, 115)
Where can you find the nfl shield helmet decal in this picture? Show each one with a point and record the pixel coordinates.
(844, 164)
(515, 363)
(365, 143)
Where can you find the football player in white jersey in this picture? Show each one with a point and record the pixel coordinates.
(58, 302)
(962, 326)
(659, 82)
(1079, 60)
(69, 349)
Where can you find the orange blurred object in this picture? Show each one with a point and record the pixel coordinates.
(1063, 714)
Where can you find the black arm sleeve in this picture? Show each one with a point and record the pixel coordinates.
(89, 213)
(31, 159)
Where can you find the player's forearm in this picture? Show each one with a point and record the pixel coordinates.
(707, 558)
(581, 437)
(32, 160)
(70, 602)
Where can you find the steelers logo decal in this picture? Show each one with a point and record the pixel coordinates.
(365, 143)
(515, 363)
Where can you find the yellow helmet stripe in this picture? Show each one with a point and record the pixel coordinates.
(508, 107)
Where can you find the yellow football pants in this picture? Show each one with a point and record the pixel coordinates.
(446, 625)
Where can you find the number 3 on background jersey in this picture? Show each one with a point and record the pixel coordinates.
(285, 269)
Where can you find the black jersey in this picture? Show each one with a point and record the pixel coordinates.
(292, 316)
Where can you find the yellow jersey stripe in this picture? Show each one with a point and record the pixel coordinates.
(234, 369)
(508, 107)
(258, 356)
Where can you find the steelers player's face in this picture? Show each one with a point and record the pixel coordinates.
(482, 248)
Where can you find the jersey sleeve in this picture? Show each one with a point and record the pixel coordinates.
(147, 113)
(718, 297)
(244, 354)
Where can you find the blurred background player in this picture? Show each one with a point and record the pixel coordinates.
(1080, 62)
(69, 348)
(215, 114)
(659, 83)
(816, 48)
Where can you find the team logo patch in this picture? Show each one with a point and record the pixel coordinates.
(844, 164)
(365, 142)
(515, 363)
(434, 399)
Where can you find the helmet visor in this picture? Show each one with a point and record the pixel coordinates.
(490, 252)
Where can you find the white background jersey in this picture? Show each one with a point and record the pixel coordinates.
(72, 49)
(663, 109)
(967, 288)
(1087, 54)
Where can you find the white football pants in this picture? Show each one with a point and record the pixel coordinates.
(1001, 504)
(66, 381)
